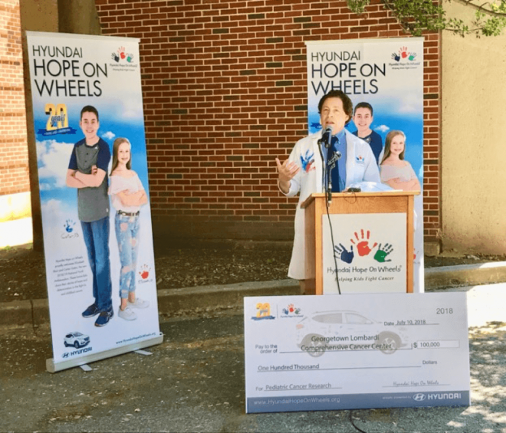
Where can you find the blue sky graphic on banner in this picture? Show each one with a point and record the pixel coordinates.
(388, 74)
(69, 72)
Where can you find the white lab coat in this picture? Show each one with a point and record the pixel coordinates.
(360, 166)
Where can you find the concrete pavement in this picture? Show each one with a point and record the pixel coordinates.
(197, 299)
(194, 381)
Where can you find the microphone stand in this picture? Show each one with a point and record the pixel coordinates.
(327, 179)
(332, 164)
(328, 166)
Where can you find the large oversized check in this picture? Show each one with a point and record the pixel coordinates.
(356, 351)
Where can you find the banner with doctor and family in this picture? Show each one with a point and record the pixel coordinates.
(93, 180)
(384, 79)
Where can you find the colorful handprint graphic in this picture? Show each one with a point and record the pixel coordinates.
(144, 272)
(69, 226)
(292, 309)
(346, 256)
(307, 161)
(121, 52)
(363, 248)
(381, 254)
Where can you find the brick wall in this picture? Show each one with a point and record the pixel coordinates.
(432, 138)
(14, 176)
(224, 85)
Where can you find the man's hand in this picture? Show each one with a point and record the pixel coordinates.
(286, 171)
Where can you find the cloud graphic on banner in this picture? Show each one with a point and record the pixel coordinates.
(411, 104)
(53, 161)
(51, 207)
(125, 110)
(132, 109)
(108, 135)
(382, 128)
(45, 187)
(57, 217)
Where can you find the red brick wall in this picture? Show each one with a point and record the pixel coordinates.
(432, 138)
(224, 86)
(14, 176)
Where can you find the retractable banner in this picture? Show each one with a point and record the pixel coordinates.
(93, 180)
(384, 79)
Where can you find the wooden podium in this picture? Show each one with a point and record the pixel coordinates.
(352, 203)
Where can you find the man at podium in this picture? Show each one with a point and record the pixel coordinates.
(302, 172)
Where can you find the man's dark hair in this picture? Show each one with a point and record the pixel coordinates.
(347, 104)
(90, 109)
(364, 105)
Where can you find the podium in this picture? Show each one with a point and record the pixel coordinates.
(393, 208)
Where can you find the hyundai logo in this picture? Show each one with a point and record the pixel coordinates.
(419, 397)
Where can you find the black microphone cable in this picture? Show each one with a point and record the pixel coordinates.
(333, 244)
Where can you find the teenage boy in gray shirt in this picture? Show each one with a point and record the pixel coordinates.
(87, 172)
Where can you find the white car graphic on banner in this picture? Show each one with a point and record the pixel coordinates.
(76, 339)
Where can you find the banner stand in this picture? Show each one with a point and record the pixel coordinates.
(98, 248)
(384, 79)
(53, 368)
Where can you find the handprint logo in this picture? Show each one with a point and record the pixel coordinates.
(404, 52)
(340, 252)
(363, 243)
(381, 254)
(69, 226)
(412, 56)
(121, 52)
(292, 309)
(307, 161)
(396, 57)
(144, 272)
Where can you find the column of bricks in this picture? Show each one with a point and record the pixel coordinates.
(14, 177)
(225, 92)
(432, 137)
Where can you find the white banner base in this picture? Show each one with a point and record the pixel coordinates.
(53, 367)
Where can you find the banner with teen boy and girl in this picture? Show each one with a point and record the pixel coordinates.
(384, 79)
(93, 180)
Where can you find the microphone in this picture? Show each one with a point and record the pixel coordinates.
(336, 157)
(326, 137)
